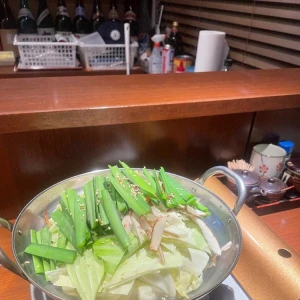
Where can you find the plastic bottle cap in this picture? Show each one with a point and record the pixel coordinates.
(181, 67)
(287, 146)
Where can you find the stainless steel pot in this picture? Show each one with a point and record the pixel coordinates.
(222, 222)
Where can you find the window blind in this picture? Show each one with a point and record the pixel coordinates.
(261, 34)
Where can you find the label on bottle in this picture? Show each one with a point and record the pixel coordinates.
(80, 11)
(46, 31)
(130, 15)
(113, 14)
(25, 12)
(7, 38)
(42, 16)
(62, 10)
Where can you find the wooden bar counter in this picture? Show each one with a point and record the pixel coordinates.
(64, 102)
(53, 127)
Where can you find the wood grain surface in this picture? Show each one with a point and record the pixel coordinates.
(9, 72)
(287, 225)
(33, 161)
(48, 103)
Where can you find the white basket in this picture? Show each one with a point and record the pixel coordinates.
(40, 52)
(106, 57)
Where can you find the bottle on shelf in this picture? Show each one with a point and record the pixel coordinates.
(26, 22)
(81, 25)
(144, 23)
(130, 18)
(113, 13)
(112, 30)
(44, 20)
(63, 23)
(8, 28)
(175, 39)
(97, 16)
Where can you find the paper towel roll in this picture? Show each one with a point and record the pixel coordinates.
(212, 51)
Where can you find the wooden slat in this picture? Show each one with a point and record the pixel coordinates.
(271, 38)
(251, 47)
(255, 61)
(246, 57)
(233, 18)
(265, 50)
(287, 12)
(261, 34)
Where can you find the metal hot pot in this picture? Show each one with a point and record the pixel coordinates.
(222, 222)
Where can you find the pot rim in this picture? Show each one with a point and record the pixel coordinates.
(232, 215)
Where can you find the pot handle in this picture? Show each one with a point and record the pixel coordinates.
(5, 261)
(241, 187)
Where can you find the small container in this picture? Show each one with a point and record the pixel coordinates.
(251, 180)
(288, 146)
(273, 188)
(186, 60)
(167, 59)
(40, 52)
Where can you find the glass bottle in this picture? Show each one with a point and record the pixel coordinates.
(44, 20)
(144, 23)
(81, 25)
(63, 23)
(113, 13)
(26, 22)
(8, 28)
(130, 18)
(175, 40)
(97, 16)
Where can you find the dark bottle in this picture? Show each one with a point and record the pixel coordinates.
(175, 40)
(113, 13)
(63, 23)
(26, 22)
(8, 28)
(112, 30)
(130, 17)
(81, 25)
(44, 21)
(144, 23)
(97, 16)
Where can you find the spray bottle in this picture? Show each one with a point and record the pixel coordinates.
(155, 63)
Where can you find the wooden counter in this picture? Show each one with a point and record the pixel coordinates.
(64, 102)
(9, 72)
